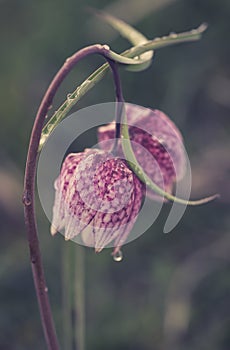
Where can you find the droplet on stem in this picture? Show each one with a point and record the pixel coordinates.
(69, 97)
(173, 35)
(26, 199)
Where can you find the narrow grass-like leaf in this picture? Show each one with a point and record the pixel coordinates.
(96, 76)
(131, 34)
(135, 166)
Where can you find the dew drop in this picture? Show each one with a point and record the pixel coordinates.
(46, 290)
(84, 84)
(173, 35)
(26, 199)
(161, 140)
(106, 47)
(49, 127)
(69, 97)
(118, 256)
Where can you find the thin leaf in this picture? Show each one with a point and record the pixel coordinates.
(96, 76)
(130, 33)
(135, 166)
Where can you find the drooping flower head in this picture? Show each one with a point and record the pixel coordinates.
(151, 129)
(98, 197)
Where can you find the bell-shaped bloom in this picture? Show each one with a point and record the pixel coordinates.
(156, 142)
(97, 197)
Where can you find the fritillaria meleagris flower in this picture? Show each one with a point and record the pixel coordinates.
(98, 197)
(164, 162)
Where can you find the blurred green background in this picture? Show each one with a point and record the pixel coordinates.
(171, 291)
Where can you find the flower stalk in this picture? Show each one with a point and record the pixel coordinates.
(29, 190)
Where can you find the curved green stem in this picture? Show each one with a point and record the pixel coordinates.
(135, 166)
(96, 76)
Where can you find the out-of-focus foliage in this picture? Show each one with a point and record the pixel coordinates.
(171, 291)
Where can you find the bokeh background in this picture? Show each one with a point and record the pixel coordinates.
(170, 291)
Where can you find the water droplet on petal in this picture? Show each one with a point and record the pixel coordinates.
(118, 256)
(161, 140)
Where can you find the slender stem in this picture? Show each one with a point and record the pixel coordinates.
(79, 298)
(96, 76)
(127, 147)
(67, 296)
(29, 192)
(136, 167)
(119, 104)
